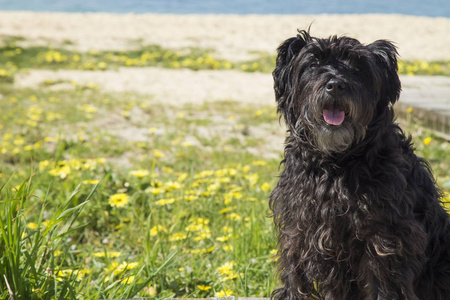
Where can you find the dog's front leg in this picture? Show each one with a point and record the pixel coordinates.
(385, 274)
(295, 287)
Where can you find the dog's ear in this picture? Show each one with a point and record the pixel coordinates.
(286, 51)
(386, 57)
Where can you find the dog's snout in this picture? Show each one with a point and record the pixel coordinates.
(335, 86)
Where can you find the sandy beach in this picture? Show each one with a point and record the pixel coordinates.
(233, 37)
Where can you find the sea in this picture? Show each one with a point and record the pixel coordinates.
(430, 8)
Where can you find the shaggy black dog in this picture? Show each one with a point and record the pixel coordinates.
(358, 214)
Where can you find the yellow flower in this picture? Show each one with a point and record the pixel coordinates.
(223, 293)
(223, 238)
(104, 254)
(32, 226)
(203, 235)
(158, 154)
(90, 181)
(409, 110)
(182, 177)
(177, 237)
(227, 209)
(128, 280)
(202, 251)
(190, 197)
(234, 217)
(227, 248)
(156, 229)
(446, 201)
(140, 173)
(155, 190)
(427, 141)
(226, 268)
(265, 187)
(170, 185)
(203, 287)
(259, 163)
(118, 200)
(62, 171)
(102, 65)
(163, 202)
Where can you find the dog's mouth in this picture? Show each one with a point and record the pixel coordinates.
(334, 115)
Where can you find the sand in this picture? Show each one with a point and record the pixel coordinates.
(232, 37)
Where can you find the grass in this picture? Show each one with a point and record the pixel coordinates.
(116, 196)
(13, 58)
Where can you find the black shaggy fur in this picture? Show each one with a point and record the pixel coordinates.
(358, 214)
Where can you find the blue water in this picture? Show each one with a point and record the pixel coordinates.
(431, 8)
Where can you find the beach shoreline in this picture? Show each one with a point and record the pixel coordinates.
(232, 37)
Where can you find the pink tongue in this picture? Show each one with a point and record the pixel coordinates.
(333, 116)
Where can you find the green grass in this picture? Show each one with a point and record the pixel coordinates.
(114, 196)
(14, 58)
(199, 204)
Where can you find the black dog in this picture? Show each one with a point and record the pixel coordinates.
(358, 214)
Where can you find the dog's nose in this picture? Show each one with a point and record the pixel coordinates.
(335, 86)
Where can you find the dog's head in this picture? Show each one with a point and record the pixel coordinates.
(330, 91)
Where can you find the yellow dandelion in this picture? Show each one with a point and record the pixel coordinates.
(223, 293)
(113, 254)
(90, 181)
(182, 177)
(265, 187)
(139, 173)
(128, 280)
(102, 65)
(226, 268)
(223, 238)
(409, 110)
(234, 217)
(61, 172)
(157, 229)
(203, 236)
(190, 197)
(158, 154)
(177, 237)
(118, 200)
(170, 185)
(427, 141)
(32, 226)
(259, 163)
(227, 209)
(227, 248)
(203, 287)
(202, 251)
(155, 190)
(163, 202)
